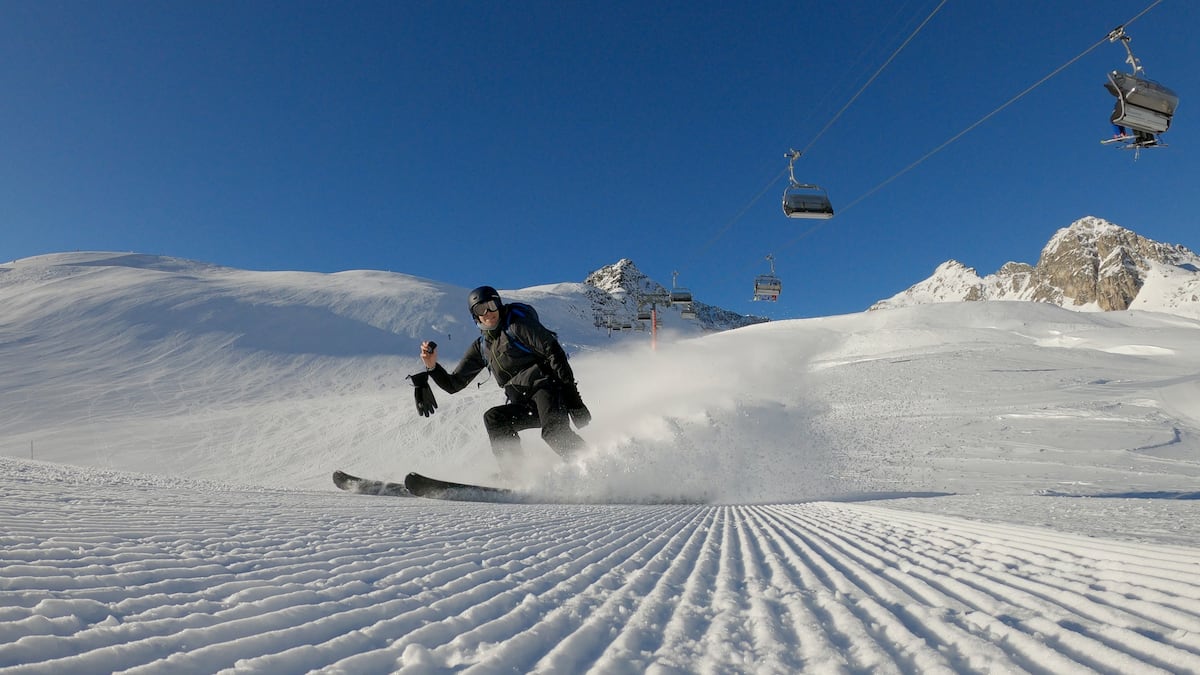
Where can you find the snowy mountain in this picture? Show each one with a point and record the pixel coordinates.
(1090, 265)
(960, 487)
(355, 312)
(622, 290)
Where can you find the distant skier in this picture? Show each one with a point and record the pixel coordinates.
(528, 362)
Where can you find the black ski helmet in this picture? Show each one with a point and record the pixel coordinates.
(481, 294)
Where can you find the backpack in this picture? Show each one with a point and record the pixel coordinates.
(523, 311)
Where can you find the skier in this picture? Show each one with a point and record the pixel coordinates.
(528, 362)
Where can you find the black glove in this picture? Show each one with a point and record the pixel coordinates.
(573, 402)
(423, 394)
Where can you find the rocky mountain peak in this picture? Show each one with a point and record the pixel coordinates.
(1095, 261)
(1090, 264)
(623, 277)
(620, 292)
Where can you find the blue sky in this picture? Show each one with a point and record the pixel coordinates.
(517, 144)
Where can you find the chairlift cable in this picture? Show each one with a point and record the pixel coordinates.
(962, 133)
(924, 157)
(871, 53)
(878, 72)
(775, 180)
(808, 232)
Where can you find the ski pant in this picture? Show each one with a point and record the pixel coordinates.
(542, 409)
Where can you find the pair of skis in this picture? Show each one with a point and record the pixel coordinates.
(418, 485)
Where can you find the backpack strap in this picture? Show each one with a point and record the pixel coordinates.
(515, 342)
(512, 339)
(514, 309)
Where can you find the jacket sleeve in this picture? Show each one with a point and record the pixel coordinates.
(546, 347)
(468, 367)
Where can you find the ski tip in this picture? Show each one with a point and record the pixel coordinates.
(365, 486)
(425, 486)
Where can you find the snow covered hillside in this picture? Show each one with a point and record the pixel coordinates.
(178, 367)
(958, 487)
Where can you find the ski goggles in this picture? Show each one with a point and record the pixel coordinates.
(482, 308)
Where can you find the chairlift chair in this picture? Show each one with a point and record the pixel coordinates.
(804, 200)
(1142, 105)
(681, 296)
(767, 287)
(688, 311)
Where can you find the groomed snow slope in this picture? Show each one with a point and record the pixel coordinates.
(115, 573)
(979, 488)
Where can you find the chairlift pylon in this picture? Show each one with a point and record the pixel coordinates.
(804, 200)
(1144, 108)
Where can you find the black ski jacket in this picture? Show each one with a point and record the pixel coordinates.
(536, 362)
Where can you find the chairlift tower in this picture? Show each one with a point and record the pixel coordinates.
(648, 306)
